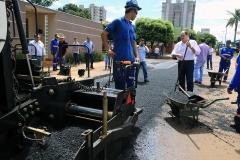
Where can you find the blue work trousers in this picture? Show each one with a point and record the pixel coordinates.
(55, 62)
(118, 76)
(224, 66)
(237, 119)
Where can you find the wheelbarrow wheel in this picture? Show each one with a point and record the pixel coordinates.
(179, 119)
(212, 84)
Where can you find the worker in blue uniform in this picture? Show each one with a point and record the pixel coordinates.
(125, 46)
(235, 85)
(226, 55)
(54, 48)
(237, 63)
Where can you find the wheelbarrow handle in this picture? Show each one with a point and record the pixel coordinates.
(219, 99)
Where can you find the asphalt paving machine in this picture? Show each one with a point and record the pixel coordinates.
(49, 118)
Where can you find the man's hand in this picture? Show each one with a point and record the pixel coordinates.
(180, 56)
(189, 44)
(137, 59)
(229, 91)
(110, 53)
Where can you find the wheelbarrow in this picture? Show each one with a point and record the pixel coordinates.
(191, 108)
(215, 76)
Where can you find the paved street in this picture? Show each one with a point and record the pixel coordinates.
(159, 136)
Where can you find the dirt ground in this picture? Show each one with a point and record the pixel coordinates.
(212, 138)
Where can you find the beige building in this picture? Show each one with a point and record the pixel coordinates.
(52, 21)
(98, 13)
(181, 13)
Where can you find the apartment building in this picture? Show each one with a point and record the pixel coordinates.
(181, 13)
(98, 13)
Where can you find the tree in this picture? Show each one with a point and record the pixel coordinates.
(234, 20)
(45, 3)
(105, 24)
(192, 33)
(75, 10)
(209, 38)
(154, 30)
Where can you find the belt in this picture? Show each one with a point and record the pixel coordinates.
(36, 56)
(186, 61)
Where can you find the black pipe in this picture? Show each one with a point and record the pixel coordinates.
(36, 16)
(19, 23)
(13, 20)
(86, 111)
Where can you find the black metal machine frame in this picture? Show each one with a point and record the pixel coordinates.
(57, 99)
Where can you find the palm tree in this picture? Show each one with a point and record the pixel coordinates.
(234, 20)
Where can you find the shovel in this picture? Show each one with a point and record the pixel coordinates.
(193, 98)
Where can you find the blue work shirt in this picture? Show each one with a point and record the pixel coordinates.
(90, 46)
(123, 34)
(54, 45)
(226, 53)
(235, 82)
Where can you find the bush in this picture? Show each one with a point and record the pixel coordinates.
(96, 57)
(20, 56)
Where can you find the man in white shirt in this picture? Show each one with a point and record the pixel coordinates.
(142, 50)
(156, 52)
(192, 49)
(75, 51)
(40, 55)
(209, 57)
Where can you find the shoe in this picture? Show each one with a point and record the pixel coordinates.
(86, 68)
(224, 80)
(92, 68)
(146, 80)
(211, 69)
(233, 125)
(199, 82)
(57, 69)
(54, 69)
(207, 68)
(234, 102)
(196, 82)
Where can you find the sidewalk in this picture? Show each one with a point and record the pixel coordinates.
(99, 71)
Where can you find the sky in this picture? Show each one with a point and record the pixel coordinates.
(208, 13)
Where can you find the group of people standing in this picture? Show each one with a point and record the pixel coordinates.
(37, 50)
(187, 49)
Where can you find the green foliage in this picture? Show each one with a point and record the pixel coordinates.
(45, 3)
(75, 10)
(209, 38)
(105, 24)
(154, 30)
(20, 56)
(192, 33)
(234, 21)
(96, 57)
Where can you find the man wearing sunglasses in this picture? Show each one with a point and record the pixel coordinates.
(124, 39)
